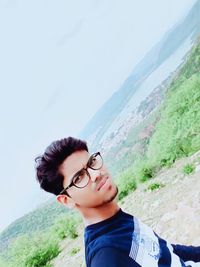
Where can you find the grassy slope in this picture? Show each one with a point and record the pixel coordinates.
(37, 220)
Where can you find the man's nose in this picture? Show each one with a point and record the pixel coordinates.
(95, 175)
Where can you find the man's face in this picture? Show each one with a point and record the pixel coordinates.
(100, 189)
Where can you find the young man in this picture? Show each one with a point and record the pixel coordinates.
(113, 238)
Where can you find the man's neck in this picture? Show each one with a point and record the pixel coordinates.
(98, 214)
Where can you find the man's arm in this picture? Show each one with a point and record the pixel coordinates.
(112, 257)
(187, 253)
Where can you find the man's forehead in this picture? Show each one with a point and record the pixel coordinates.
(74, 162)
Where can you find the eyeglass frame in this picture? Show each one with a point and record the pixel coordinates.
(64, 192)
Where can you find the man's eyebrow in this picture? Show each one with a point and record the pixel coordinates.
(80, 170)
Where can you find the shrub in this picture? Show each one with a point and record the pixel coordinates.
(188, 168)
(155, 186)
(126, 183)
(65, 226)
(144, 169)
(37, 251)
(167, 162)
(145, 174)
(42, 255)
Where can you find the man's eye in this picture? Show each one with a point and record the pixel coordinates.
(78, 179)
(93, 161)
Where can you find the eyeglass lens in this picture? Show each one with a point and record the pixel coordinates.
(82, 178)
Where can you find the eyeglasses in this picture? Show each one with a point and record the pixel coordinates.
(81, 178)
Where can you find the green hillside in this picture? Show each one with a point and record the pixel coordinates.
(178, 131)
(37, 220)
(175, 130)
(182, 94)
(189, 26)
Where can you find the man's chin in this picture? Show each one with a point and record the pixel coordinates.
(113, 196)
(108, 200)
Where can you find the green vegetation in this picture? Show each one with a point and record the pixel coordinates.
(74, 251)
(188, 168)
(177, 134)
(155, 186)
(189, 27)
(126, 183)
(178, 131)
(146, 173)
(66, 226)
(38, 249)
(141, 171)
(40, 219)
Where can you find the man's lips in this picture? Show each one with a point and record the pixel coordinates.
(102, 182)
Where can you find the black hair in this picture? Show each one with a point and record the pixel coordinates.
(47, 165)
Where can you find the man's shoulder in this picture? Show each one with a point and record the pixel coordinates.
(114, 232)
(121, 221)
(112, 235)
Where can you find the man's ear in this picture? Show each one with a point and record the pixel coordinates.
(63, 199)
(66, 201)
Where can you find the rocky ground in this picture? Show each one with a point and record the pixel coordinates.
(173, 210)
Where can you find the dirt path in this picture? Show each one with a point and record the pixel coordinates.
(173, 211)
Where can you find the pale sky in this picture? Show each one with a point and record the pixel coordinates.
(59, 62)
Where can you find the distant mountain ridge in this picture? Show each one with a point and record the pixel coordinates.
(172, 40)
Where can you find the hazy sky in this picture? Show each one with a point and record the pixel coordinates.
(59, 62)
